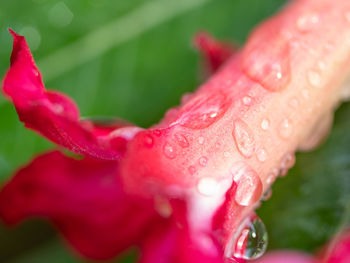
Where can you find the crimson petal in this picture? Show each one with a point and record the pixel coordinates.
(83, 198)
(53, 114)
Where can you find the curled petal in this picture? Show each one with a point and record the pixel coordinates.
(83, 198)
(53, 114)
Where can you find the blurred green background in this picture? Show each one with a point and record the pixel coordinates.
(134, 59)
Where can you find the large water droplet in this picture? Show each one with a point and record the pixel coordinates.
(249, 185)
(307, 22)
(204, 110)
(271, 69)
(182, 140)
(243, 138)
(285, 129)
(169, 151)
(252, 240)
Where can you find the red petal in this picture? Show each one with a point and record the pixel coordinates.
(52, 114)
(338, 250)
(215, 53)
(84, 199)
(171, 242)
(286, 257)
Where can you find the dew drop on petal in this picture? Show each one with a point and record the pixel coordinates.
(203, 111)
(182, 140)
(149, 141)
(249, 185)
(243, 138)
(285, 129)
(307, 22)
(203, 161)
(314, 78)
(267, 195)
(246, 100)
(169, 151)
(200, 139)
(251, 243)
(265, 124)
(287, 162)
(261, 155)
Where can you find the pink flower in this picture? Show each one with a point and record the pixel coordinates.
(187, 187)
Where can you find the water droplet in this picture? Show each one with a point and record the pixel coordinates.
(270, 69)
(203, 161)
(243, 138)
(314, 78)
(246, 100)
(287, 162)
(200, 140)
(192, 170)
(261, 155)
(285, 129)
(226, 154)
(305, 93)
(249, 185)
(267, 195)
(218, 145)
(265, 124)
(271, 177)
(169, 151)
(307, 22)
(203, 111)
(149, 141)
(208, 186)
(251, 243)
(182, 140)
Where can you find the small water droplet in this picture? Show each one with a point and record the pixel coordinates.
(251, 243)
(261, 155)
(192, 170)
(208, 186)
(157, 132)
(218, 145)
(305, 93)
(226, 154)
(169, 151)
(271, 177)
(265, 124)
(203, 161)
(243, 138)
(200, 140)
(182, 140)
(307, 22)
(246, 100)
(249, 185)
(287, 162)
(267, 195)
(314, 78)
(285, 129)
(149, 141)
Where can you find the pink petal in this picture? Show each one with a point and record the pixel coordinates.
(53, 114)
(83, 198)
(215, 53)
